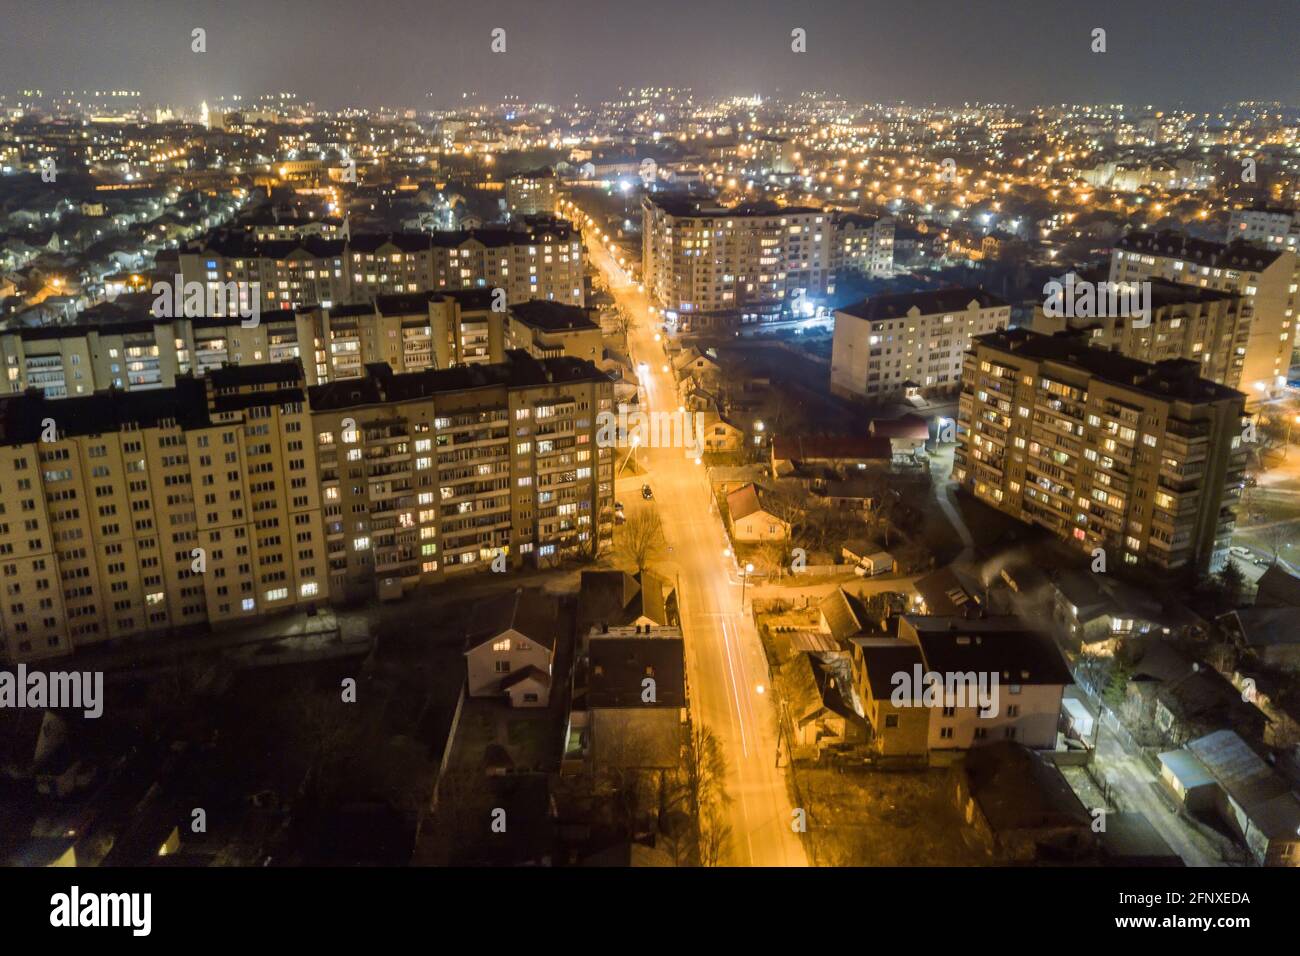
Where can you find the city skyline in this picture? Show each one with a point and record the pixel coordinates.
(687, 435)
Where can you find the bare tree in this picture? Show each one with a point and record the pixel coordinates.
(786, 505)
(622, 324)
(625, 762)
(714, 836)
(702, 782)
(327, 730)
(642, 537)
(1276, 536)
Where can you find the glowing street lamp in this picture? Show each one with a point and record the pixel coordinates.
(744, 582)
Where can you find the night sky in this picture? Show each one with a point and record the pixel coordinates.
(1193, 53)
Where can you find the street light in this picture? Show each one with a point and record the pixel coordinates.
(636, 441)
(744, 582)
(1293, 420)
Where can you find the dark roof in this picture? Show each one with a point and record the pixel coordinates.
(946, 592)
(883, 307)
(704, 207)
(1018, 789)
(553, 316)
(1237, 254)
(817, 681)
(381, 384)
(882, 658)
(1268, 626)
(531, 672)
(531, 613)
(909, 426)
(240, 245)
(743, 502)
(1277, 588)
(616, 599)
(996, 645)
(186, 404)
(831, 448)
(1164, 292)
(845, 613)
(1171, 379)
(1130, 839)
(618, 665)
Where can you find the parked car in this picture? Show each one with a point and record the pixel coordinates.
(646, 493)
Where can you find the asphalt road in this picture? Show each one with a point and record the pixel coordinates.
(725, 661)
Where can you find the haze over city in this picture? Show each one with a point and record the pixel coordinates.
(401, 53)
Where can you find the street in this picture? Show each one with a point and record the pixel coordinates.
(726, 667)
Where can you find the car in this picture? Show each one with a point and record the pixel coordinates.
(1262, 562)
(1240, 551)
(646, 493)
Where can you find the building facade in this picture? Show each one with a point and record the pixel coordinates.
(893, 345)
(709, 264)
(1265, 278)
(1144, 461)
(125, 347)
(427, 475)
(533, 258)
(1207, 326)
(531, 192)
(129, 513)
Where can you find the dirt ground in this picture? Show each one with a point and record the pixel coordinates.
(884, 819)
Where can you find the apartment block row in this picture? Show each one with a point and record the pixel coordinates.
(1142, 460)
(533, 258)
(122, 345)
(248, 492)
(716, 264)
(901, 346)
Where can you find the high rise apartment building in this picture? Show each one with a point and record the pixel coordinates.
(709, 264)
(1144, 461)
(531, 192)
(1208, 326)
(109, 503)
(426, 475)
(1264, 277)
(245, 492)
(891, 346)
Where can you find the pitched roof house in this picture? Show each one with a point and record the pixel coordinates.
(510, 648)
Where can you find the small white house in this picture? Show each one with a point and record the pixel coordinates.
(750, 521)
(510, 648)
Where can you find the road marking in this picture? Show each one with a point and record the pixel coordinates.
(735, 689)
